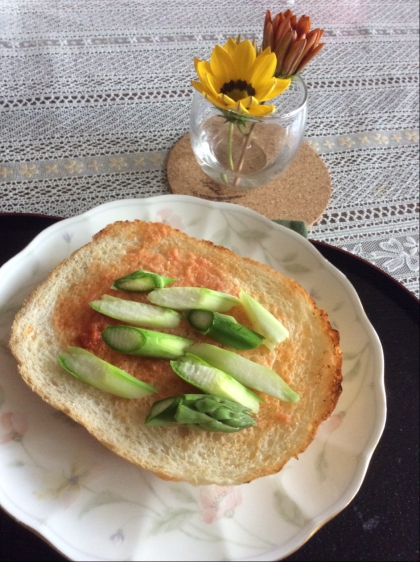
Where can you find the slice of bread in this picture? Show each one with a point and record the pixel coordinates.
(57, 314)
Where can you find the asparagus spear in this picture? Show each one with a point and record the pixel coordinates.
(102, 375)
(201, 412)
(263, 321)
(141, 280)
(148, 343)
(224, 329)
(187, 298)
(137, 313)
(246, 372)
(214, 381)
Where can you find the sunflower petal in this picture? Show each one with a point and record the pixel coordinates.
(196, 62)
(198, 86)
(249, 102)
(202, 87)
(240, 108)
(213, 84)
(278, 87)
(243, 59)
(202, 67)
(217, 101)
(230, 46)
(263, 69)
(228, 102)
(266, 51)
(253, 107)
(261, 110)
(263, 92)
(221, 64)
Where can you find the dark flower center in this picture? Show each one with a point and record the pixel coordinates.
(237, 89)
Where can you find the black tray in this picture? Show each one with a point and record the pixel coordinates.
(382, 521)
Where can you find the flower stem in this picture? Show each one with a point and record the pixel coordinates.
(242, 156)
(230, 156)
(229, 140)
(224, 179)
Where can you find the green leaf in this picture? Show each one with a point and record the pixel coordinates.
(105, 498)
(288, 509)
(297, 226)
(171, 520)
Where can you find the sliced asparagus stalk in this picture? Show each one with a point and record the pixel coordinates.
(224, 329)
(188, 298)
(214, 381)
(141, 280)
(163, 412)
(137, 313)
(246, 372)
(102, 375)
(148, 343)
(202, 412)
(263, 321)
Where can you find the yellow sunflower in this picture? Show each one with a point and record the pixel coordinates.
(237, 79)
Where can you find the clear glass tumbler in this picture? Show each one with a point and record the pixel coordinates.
(249, 153)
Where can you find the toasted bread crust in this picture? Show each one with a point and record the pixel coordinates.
(57, 314)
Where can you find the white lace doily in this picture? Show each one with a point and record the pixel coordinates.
(93, 95)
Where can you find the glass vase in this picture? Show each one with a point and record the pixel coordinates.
(249, 153)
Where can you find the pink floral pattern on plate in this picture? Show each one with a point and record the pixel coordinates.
(169, 217)
(13, 426)
(65, 485)
(217, 502)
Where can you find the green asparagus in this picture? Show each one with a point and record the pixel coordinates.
(137, 313)
(102, 375)
(141, 281)
(148, 343)
(224, 329)
(187, 298)
(263, 321)
(202, 412)
(214, 381)
(246, 372)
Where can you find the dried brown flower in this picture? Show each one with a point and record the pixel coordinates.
(292, 41)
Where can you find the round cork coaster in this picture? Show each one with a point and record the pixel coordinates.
(301, 193)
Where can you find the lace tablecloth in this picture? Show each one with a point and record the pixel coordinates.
(93, 95)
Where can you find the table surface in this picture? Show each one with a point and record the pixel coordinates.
(382, 521)
(93, 96)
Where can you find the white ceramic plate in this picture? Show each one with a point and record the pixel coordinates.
(92, 505)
